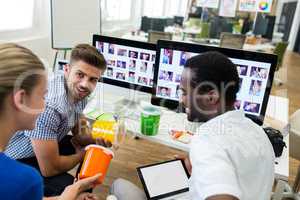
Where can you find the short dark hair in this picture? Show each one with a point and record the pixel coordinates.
(88, 54)
(217, 69)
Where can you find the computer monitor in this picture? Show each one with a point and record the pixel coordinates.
(158, 24)
(261, 24)
(178, 20)
(256, 71)
(130, 64)
(270, 27)
(145, 24)
(155, 24)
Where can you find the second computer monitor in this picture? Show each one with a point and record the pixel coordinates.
(256, 72)
(130, 64)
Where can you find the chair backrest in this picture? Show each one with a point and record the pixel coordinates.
(205, 28)
(154, 36)
(295, 135)
(280, 51)
(234, 41)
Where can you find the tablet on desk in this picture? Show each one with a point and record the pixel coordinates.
(163, 180)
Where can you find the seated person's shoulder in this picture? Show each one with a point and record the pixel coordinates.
(18, 177)
(19, 170)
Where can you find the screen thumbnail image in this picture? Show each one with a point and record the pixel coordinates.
(178, 78)
(111, 62)
(99, 46)
(110, 72)
(240, 84)
(164, 91)
(153, 58)
(242, 69)
(184, 56)
(151, 82)
(259, 72)
(131, 77)
(133, 54)
(111, 48)
(120, 76)
(178, 91)
(121, 64)
(165, 75)
(251, 107)
(143, 67)
(167, 56)
(145, 56)
(132, 65)
(142, 80)
(122, 52)
(255, 88)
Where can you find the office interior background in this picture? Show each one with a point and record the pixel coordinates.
(50, 28)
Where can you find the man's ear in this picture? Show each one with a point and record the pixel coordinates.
(19, 101)
(213, 97)
(67, 68)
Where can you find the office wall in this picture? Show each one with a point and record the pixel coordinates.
(295, 28)
(296, 22)
(36, 38)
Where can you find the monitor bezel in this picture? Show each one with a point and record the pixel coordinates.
(232, 53)
(130, 43)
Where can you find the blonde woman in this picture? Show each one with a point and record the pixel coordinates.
(23, 86)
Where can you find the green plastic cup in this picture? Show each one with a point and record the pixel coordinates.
(150, 117)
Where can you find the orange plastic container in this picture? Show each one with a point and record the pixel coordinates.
(96, 160)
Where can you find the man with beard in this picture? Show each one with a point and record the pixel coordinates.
(49, 148)
(230, 157)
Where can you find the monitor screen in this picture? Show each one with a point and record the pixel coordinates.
(130, 64)
(255, 70)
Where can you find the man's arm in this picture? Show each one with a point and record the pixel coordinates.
(50, 161)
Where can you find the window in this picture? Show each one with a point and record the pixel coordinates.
(16, 14)
(153, 8)
(159, 8)
(117, 10)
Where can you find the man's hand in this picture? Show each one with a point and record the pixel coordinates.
(187, 162)
(80, 141)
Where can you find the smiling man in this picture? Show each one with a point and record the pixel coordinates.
(48, 148)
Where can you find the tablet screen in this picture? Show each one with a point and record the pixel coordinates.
(164, 179)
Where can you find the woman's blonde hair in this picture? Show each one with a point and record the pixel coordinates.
(15, 61)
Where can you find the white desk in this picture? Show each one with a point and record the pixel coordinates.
(266, 47)
(277, 109)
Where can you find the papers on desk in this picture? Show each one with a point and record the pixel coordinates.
(181, 136)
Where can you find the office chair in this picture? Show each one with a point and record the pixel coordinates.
(234, 41)
(154, 36)
(284, 189)
(279, 50)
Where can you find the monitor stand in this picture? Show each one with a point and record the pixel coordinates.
(129, 108)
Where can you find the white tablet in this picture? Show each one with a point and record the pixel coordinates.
(165, 179)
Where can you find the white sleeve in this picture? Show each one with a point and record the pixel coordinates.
(212, 171)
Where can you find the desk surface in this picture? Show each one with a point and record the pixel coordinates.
(277, 110)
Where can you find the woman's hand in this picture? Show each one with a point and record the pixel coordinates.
(75, 191)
